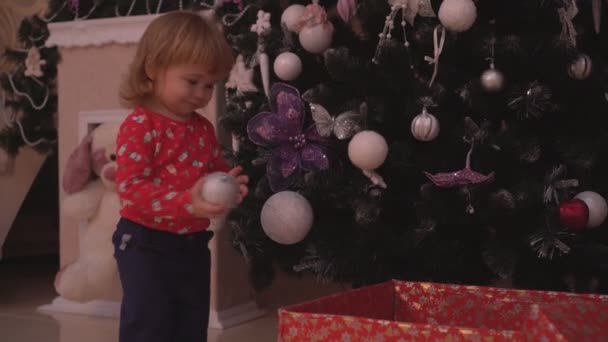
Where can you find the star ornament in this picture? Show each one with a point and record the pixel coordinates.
(464, 177)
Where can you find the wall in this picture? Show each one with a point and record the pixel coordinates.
(15, 187)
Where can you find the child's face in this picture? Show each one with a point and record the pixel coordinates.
(182, 89)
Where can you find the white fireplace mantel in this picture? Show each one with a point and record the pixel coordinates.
(97, 32)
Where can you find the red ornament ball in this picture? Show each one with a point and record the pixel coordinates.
(574, 214)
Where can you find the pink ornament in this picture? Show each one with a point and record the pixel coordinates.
(347, 9)
(463, 177)
(313, 15)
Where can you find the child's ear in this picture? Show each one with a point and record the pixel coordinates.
(150, 70)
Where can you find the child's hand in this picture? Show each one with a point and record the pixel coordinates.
(242, 180)
(202, 208)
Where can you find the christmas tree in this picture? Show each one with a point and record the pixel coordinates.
(452, 141)
(28, 91)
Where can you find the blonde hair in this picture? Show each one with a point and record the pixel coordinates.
(172, 39)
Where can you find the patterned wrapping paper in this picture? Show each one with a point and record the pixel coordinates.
(404, 311)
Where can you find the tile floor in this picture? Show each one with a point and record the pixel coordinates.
(27, 284)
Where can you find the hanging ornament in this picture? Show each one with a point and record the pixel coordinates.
(34, 63)
(574, 214)
(457, 15)
(425, 126)
(316, 32)
(241, 77)
(220, 188)
(581, 67)
(598, 209)
(463, 177)
(290, 18)
(346, 9)
(409, 10)
(262, 29)
(343, 126)
(292, 147)
(287, 217)
(287, 66)
(492, 80)
(368, 150)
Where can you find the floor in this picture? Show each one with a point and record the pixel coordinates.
(25, 284)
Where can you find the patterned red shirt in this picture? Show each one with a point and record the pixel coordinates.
(159, 160)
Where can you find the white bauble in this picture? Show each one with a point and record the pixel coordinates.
(492, 80)
(580, 68)
(287, 217)
(367, 150)
(288, 66)
(220, 188)
(598, 209)
(317, 38)
(457, 15)
(425, 127)
(291, 17)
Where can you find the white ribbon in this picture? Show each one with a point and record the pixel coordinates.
(438, 48)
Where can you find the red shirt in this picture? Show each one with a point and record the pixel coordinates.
(159, 159)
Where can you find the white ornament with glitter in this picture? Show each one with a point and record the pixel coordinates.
(287, 217)
(598, 208)
(368, 150)
(457, 15)
(220, 188)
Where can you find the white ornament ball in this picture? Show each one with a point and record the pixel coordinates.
(492, 80)
(318, 38)
(457, 15)
(288, 66)
(367, 150)
(220, 188)
(598, 208)
(581, 68)
(287, 217)
(425, 127)
(291, 17)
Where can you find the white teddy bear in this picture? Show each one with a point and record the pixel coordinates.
(91, 188)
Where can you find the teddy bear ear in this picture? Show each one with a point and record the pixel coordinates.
(78, 170)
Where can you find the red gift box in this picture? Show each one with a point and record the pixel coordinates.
(406, 311)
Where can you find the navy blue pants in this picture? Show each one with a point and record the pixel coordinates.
(165, 281)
